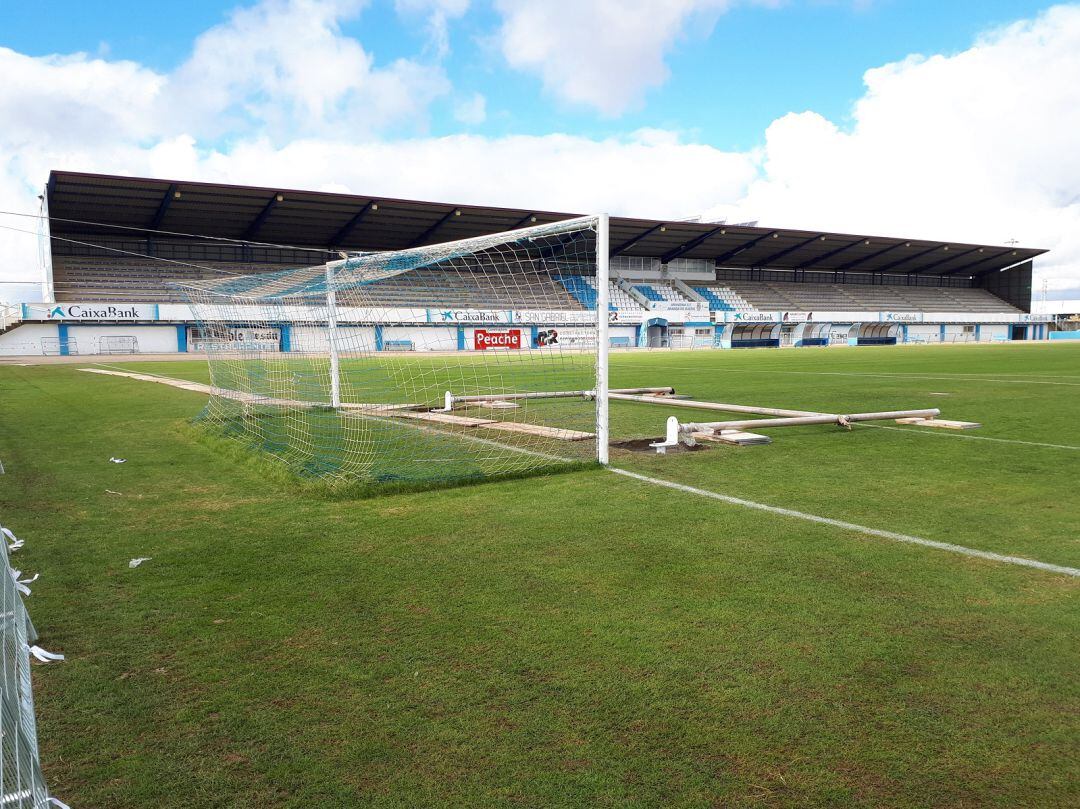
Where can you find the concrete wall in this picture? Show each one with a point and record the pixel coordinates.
(85, 339)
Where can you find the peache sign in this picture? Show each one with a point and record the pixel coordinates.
(484, 339)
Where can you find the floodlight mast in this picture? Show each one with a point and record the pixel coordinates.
(602, 342)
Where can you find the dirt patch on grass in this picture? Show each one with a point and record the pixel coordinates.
(642, 445)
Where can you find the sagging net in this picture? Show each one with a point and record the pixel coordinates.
(342, 370)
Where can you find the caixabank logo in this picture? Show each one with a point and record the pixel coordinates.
(77, 311)
(484, 340)
(468, 316)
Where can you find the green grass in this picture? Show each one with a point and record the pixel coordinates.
(569, 640)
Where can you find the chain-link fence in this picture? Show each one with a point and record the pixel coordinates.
(22, 785)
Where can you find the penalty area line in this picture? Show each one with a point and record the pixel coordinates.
(847, 526)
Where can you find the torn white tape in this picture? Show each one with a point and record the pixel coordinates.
(118, 460)
(43, 656)
(20, 586)
(139, 561)
(58, 802)
(15, 542)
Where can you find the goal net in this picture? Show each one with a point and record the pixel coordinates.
(468, 359)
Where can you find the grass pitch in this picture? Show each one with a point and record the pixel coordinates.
(573, 640)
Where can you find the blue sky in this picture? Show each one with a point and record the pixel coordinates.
(726, 85)
(953, 120)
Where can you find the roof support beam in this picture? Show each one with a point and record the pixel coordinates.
(163, 208)
(690, 245)
(631, 242)
(946, 260)
(1005, 254)
(789, 250)
(826, 256)
(1019, 260)
(745, 246)
(264, 214)
(527, 219)
(431, 231)
(346, 229)
(853, 264)
(906, 259)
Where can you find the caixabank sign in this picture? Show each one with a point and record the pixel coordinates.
(89, 311)
(484, 339)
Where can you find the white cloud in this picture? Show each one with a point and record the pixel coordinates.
(472, 110)
(603, 54)
(284, 67)
(57, 101)
(438, 14)
(982, 145)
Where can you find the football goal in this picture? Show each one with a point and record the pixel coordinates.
(482, 390)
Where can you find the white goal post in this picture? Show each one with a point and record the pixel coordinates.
(482, 390)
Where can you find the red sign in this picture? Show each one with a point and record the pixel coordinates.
(484, 339)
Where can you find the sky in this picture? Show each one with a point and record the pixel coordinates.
(954, 121)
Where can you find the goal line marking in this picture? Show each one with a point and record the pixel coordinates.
(847, 526)
(895, 376)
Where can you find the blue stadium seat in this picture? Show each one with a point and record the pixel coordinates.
(716, 304)
(583, 291)
(650, 293)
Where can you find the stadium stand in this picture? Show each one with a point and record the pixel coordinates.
(107, 279)
(723, 299)
(660, 292)
(82, 278)
(434, 288)
(622, 301)
(181, 231)
(583, 289)
(771, 296)
(649, 293)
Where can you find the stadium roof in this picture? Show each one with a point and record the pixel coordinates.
(356, 222)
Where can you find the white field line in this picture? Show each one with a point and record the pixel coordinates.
(200, 387)
(847, 526)
(949, 434)
(896, 376)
